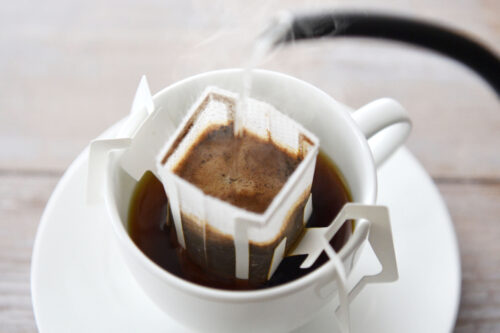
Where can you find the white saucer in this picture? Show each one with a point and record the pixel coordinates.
(80, 284)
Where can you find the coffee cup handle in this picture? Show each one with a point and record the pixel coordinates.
(386, 124)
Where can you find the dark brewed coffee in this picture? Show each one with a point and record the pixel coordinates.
(151, 228)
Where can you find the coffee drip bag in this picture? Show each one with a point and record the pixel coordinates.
(238, 201)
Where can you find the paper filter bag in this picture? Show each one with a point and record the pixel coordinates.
(227, 240)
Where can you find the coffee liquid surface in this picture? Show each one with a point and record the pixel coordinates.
(245, 170)
(152, 230)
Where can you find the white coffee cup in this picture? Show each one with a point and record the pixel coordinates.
(343, 137)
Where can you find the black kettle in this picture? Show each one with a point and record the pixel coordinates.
(438, 38)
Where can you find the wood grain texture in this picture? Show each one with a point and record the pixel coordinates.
(22, 199)
(69, 70)
(475, 210)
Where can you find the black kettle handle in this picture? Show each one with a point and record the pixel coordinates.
(431, 36)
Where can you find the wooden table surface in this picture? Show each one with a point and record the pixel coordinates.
(69, 70)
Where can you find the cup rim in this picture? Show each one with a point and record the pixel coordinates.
(236, 295)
